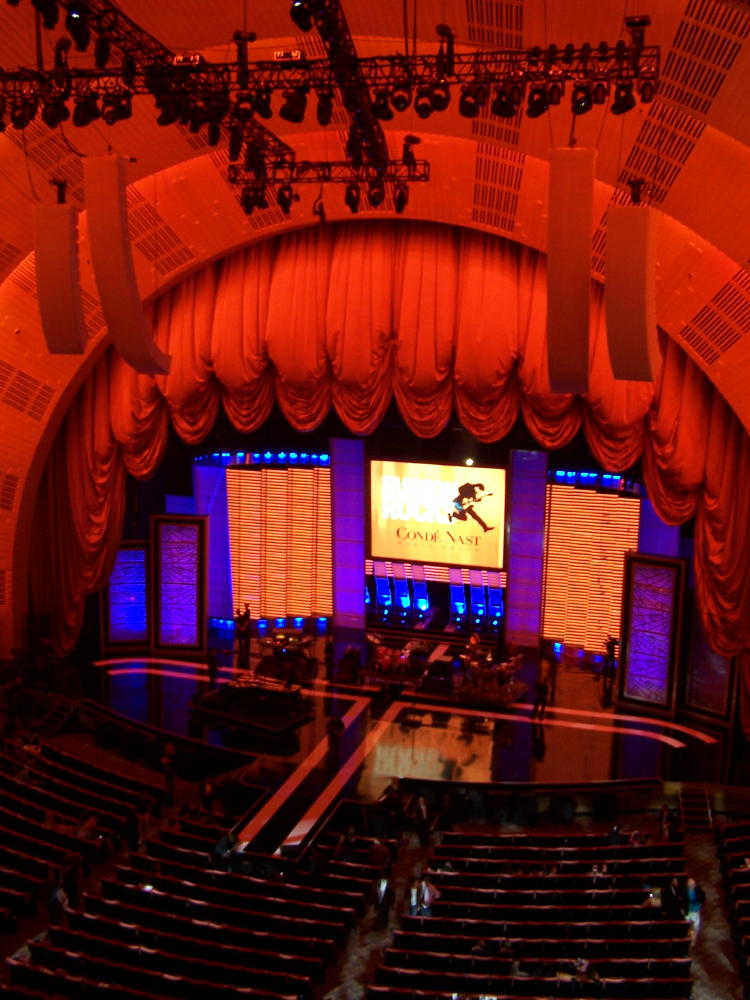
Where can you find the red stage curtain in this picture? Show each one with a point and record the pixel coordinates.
(351, 315)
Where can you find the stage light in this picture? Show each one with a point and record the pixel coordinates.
(169, 111)
(213, 133)
(582, 101)
(301, 14)
(235, 143)
(324, 110)
(503, 106)
(22, 112)
(77, 25)
(376, 193)
(423, 103)
(647, 92)
(255, 161)
(86, 110)
(351, 198)
(102, 51)
(554, 94)
(54, 112)
(381, 107)
(600, 93)
(440, 96)
(473, 98)
(401, 98)
(247, 200)
(624, 100)
(469, 461)
(49, 12)
(262, 103)
(294, 106)
(400, 198)
(319, 211)
(284, 198)
(538, 102)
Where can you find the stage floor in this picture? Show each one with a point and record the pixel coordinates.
(578, 740)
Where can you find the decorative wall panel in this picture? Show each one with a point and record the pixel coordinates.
(650, 629)
(127, 618)
(280, 540)
(178, 544)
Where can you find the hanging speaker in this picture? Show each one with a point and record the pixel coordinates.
(113, 265)
(57, 278)
(629, 297)
(571, 218)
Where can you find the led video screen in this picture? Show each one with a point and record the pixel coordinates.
(452, 514)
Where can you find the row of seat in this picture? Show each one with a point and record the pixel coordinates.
(530, 985)
(549, 853)
(625, 877)
(573, 934)
(549, 945)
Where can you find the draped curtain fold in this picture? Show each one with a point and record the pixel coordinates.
(351, 316)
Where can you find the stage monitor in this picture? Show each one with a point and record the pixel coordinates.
(449, 514)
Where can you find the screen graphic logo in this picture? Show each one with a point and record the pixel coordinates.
(433, 514)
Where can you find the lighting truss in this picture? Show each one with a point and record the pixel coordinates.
(289, 171)
(231, 99)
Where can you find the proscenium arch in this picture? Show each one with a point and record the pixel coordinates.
(196, 204)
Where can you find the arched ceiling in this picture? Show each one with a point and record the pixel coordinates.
(691, 145)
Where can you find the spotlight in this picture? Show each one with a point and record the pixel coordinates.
(49, 12)
(351, 198)
(169, 111)
(128, 69)
(473, 98)
(581, 101)
(255, 161)
(213, 133)
(423, 103)
(102, 51)
(54, 112)
(262, 103)
(376, 193)
(401, 98)
(324, 111)
(86, 110)
(440, 97)
(235, 143)
(22, 112)
(284, 198)
(261, 201)
(647, 92)
(301, 14)
(319, 209)
(503, 105)
(624, 100)
(247, 200)
(408, 156)
(400, 197)
(294, 106)
(381, 107)
(554, 93)
(538, 102)
(123, 106)
(77, 25)
(599, 93)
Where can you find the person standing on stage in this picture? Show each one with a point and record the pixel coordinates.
(540, 698)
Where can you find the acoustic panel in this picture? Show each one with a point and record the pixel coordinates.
(113, 265)
(570, 228)
(629, 293)
(57, 278)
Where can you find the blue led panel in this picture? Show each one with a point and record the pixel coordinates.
(179, 583)
(127, 598)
